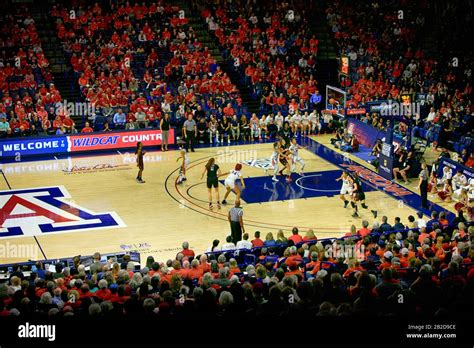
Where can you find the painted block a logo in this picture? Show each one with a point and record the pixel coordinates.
(45, 210)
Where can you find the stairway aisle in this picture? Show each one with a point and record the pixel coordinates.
(53, 50)
(203, 35)
(327, 64)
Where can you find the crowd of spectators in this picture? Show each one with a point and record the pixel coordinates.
(137, 61)
(385, 44)
(271, 45)
(429, 262)
(28, 97)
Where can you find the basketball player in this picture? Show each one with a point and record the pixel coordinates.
(295, 158)
(184, 164)
(279, 119)
(289, 121)
(314, 123)
(284, 155)
(305, 124)
(262, 127)
(358, 194)
(230, 182)
(140, 153)
(213, 172)
(466, 198)
(274, 160)
(296, 123)
(213, 130)
(255, 127)
(346, 188)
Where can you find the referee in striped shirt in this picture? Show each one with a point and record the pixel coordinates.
(236, 222)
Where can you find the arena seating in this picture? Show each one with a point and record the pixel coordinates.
(361, 273)
(28, 96)
(273, 50)
(388, 60)
(147, 56)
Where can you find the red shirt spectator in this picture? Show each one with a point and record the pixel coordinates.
(87, 128)
(296, 238)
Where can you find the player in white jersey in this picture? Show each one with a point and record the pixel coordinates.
(279, 119)
(347, 187)
(314, 123)
(230, 185)
(305, 124)
(296, 123)
(268, 119)
(274, 160)
(255, 127)
(184, 157)
(213, 132)
(295, 158)
(459, 180)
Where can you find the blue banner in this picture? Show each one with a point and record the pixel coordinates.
(455, 166)
(33, 146)
(368, 135)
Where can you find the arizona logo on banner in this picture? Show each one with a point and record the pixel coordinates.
(45, 210)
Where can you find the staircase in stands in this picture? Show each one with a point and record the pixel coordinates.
(327, 63)
(200, 28)
(53, 50)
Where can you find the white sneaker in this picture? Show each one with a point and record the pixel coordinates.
(274, 178)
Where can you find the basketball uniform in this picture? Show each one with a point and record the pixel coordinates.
(295, 157)
(346, 188)
(212, 176)
(233, 176)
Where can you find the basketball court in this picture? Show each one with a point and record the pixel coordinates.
(80, 205)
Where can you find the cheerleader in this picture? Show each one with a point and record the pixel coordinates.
(433, 183)
(184, 157)
(295, 158)
(447, 193)
(466, 198)
(230, 182)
